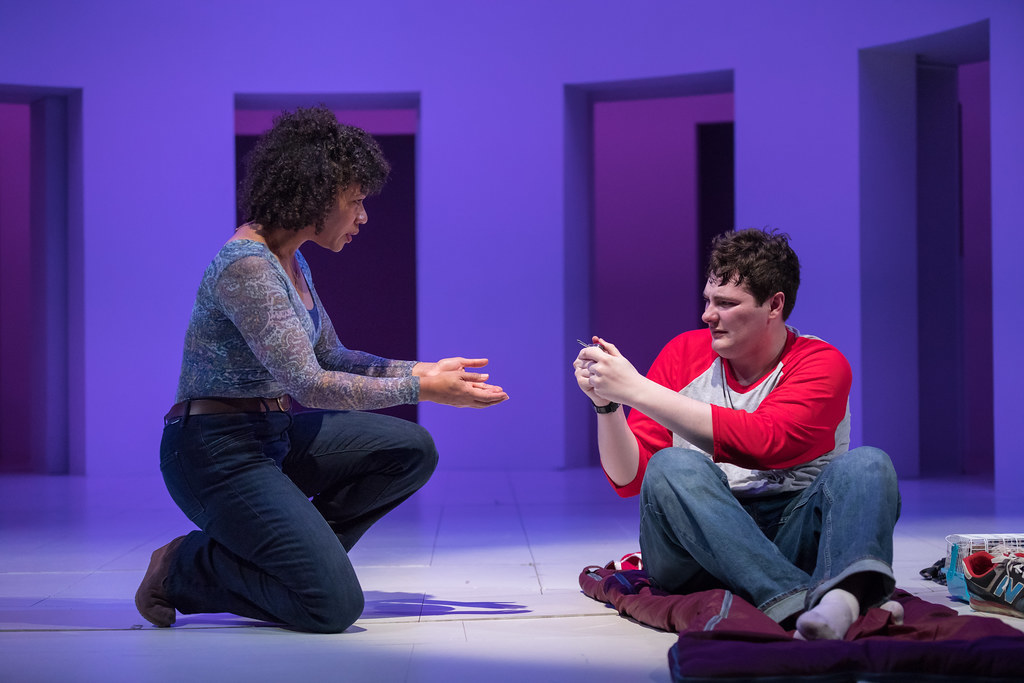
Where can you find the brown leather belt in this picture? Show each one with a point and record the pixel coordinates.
(216, 406)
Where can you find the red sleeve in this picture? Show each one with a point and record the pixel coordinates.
(797, 421)
(679, 363)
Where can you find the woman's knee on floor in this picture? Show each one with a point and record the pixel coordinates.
(317, 588)
(329, 609)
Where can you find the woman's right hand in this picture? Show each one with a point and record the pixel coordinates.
(460, 388)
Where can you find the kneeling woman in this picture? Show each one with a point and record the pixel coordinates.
(280, 498)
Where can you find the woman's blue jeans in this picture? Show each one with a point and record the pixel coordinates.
(280, 499)
(780, 553)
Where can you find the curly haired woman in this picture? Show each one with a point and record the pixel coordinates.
(280, 498)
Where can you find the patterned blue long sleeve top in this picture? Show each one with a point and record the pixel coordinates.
(250, 335)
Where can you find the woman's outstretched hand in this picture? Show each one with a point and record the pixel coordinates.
(449, 382)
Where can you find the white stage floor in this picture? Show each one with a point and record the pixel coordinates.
(473, 579)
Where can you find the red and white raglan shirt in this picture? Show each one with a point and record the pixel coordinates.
(770, 437)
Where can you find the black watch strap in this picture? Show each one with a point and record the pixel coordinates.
(610, 408)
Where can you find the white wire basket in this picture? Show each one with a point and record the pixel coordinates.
(959, 546)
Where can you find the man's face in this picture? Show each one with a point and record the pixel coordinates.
(343, 220)
(739, 327)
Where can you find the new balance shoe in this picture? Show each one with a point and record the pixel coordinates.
(995, 583)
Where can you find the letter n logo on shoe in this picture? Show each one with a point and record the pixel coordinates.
(1009, 589)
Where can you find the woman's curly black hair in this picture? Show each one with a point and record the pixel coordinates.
(295, 172)
(761, 261)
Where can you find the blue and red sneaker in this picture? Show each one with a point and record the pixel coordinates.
(995, 583)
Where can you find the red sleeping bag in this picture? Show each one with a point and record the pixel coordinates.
(724, 638)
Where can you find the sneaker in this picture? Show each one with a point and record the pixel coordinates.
(629, 561)
(996, 582)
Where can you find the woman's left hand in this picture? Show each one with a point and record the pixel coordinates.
(447, 365)
(447, 382)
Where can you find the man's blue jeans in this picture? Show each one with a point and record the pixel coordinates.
(780, 553)
(280, 499)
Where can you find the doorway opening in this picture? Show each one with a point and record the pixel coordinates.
(926, 262)
(649, 181)
(41, 321)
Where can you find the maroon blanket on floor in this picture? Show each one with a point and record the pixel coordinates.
(724, 638)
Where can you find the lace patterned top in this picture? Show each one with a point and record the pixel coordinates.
(250, 335)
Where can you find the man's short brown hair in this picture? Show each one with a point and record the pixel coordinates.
(762, 262)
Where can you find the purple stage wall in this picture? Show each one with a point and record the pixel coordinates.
(158, 88)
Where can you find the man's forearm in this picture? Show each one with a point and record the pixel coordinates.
(620, 455)
(687, 417)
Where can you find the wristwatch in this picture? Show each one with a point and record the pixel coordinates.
(610, 408)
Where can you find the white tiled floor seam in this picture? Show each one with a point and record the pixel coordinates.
(526, 535)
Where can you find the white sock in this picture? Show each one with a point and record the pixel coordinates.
(895, 609)
(830, 619)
